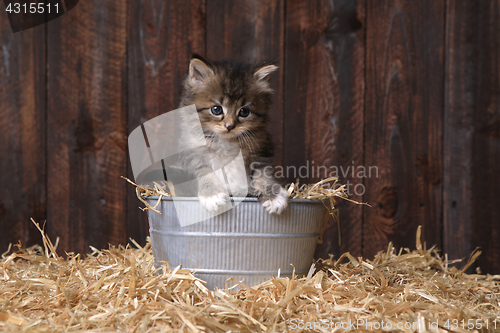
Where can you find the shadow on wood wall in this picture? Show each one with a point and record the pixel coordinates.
(411, 89)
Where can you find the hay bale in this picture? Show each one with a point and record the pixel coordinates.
(118, 289)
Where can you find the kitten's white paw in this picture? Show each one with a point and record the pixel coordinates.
(215, 202)
(278, 204)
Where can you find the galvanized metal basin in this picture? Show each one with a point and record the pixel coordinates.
(245, 243)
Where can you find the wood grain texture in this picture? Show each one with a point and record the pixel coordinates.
(163, 36)
(472, 132)
(22, 134)
(253, 32)
(403, 122)
(324, 103)
(410, 89)
(86, 126)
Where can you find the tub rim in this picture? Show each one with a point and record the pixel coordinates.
(241, 199)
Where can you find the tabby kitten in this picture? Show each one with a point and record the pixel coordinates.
(233, 102)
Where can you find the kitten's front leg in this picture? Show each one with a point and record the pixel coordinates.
(272, 195)
(211, 193)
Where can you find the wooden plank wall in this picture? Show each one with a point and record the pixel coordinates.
(410, 89)
(22, 134)
(87, 125)
(404, 120)
(324, 101)
(472, 131)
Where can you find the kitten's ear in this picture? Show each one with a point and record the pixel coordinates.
(262, 72)
(199, 71)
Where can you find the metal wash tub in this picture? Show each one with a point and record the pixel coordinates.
(245, 243)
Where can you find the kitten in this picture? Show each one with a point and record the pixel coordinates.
(233, 101)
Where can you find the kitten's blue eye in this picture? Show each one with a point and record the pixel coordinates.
(244, 112)
(216, 110)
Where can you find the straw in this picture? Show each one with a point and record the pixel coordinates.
(326, 189)
(118, 289)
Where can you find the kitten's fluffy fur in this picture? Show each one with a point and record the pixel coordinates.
(242, 95)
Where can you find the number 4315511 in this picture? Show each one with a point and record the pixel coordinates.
(33, 8)
(470, 324)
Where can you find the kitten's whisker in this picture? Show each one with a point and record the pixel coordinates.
(250, 135)
(249, 142)
(242, 136)
(239, 141)
(246, 141)
(255, 141)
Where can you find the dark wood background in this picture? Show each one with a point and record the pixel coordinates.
(411, 87)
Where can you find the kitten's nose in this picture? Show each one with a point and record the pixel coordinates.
(229, 126)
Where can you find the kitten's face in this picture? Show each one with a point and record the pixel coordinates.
(232, 99)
